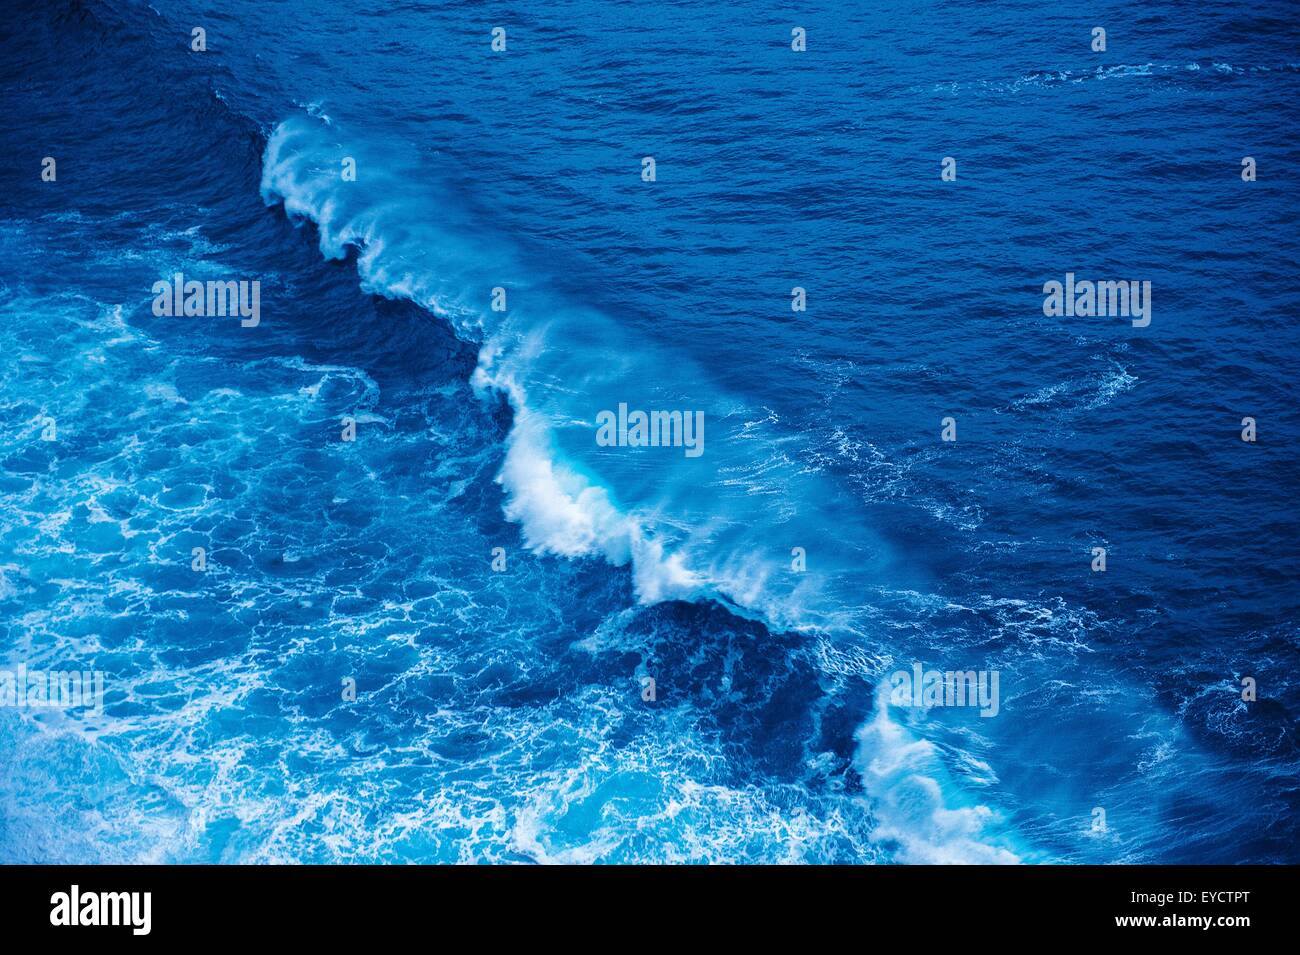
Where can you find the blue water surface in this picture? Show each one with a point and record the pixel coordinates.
(502, 588)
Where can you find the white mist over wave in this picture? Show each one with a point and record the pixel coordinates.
(563, 513)
(688, 527)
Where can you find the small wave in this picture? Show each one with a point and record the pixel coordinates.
(915, 804)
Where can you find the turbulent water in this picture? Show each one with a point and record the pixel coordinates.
(501, 587)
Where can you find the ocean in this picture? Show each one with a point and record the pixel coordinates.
(640, 401)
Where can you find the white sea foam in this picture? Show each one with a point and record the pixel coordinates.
(913, 799)
(685, 538)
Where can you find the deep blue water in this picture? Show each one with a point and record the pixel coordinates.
(499, 714)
